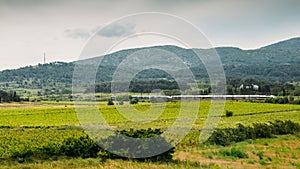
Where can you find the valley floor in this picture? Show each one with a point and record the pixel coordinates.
(33, 125)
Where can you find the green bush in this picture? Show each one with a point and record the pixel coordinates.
(22, 153)
(121, 144)
(238, 153)
(297, 102)
(260, 155)
(220, 137)
(283, 100)
(262, 130)
(50, 150)
(133, 101)
(233, 152)
(79, 147)
(228, 113)
(241, 133)
(284, 127)
(227, 136)
(110, 102)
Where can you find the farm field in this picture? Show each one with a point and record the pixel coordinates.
(60, 114)
(35, 125)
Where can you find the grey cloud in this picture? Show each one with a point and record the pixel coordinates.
(117, 30)
(29, 3)
(77, 33)
(110, 31)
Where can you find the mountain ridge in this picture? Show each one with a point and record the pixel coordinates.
(276, 62)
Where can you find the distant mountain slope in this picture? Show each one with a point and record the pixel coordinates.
(291, 43)
(276, 62)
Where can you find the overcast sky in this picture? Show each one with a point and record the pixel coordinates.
(61, 28)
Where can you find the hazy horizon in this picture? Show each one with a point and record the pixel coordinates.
(154, 46)
(61, 28)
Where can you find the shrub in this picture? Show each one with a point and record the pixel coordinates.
(260, 155)
(134, 101)
(110, 102)
(283, 100)
(22, 153)
(291, 98)
(79, 147)
(269, 100)
(297, 102)
(220, 137)
(284, 127)
(233, 152)
(262, 130)
(229, 113)
(241, 133)
(238, 153)
(226, 136)
(50, 150)
(121, 144)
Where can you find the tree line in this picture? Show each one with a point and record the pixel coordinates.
(254, 86)
(9, 96)
(235, 86)
(137, 86)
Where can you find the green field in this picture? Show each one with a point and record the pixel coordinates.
(34, 125)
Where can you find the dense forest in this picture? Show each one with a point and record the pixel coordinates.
(278, 63)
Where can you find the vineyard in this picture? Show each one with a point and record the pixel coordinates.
(39, 125)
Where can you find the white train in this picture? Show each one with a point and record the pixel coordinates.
(227, 97)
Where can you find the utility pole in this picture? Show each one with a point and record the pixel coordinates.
(44, 58)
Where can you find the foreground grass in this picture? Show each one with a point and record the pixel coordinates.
(279, 152)
(109, 164)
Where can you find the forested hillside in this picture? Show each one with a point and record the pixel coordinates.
(278, 62)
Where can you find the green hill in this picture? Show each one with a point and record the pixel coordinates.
(277, 62)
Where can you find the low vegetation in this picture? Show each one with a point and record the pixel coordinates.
(229, 113)
(227, 136)
(9, 96)
(44, 135)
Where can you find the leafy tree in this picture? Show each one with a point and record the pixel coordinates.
(110, 102)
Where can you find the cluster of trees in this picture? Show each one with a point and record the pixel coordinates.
(283, 100)
(235, 86)
(272, 73)
(137, 86)
(56, 74)
(9, 96)
(248, 86)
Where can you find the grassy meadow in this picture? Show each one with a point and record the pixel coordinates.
(33, 125)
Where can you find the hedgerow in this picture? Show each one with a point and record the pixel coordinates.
(227, 136)
(85, 147)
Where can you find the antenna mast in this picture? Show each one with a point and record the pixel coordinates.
(44, 58)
